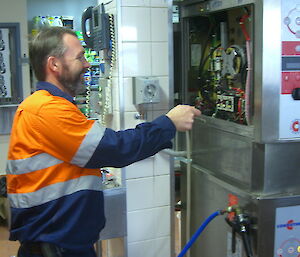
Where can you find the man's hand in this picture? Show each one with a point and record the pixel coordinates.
(183, 116)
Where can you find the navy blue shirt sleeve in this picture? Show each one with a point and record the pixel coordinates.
(121, 148)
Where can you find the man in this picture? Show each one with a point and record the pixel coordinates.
(54, 184)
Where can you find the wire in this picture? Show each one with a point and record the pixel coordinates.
(108, 2)
(198, 232)
(188, 186)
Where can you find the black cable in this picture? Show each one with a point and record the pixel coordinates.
(108, 2)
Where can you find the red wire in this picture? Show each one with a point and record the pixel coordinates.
(243, 27)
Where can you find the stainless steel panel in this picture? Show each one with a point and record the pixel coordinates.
(281, 171)
(228, 151)
(267, 69)
(196, 8)
(224, 148)
(210, 194)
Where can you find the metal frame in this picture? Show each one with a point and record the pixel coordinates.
(17, 83)
(251, 162)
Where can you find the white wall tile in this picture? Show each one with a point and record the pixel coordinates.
(148, 224)
(162, 247)
(162, 221)
(159, 24)
(136, 59)
(135, 2)
(130, 121)
(128, 101)
(150, 248)
(135, 24)
(140, 193)
(149, 192)
(140, 225)
(140, 169)
(162, 190)
(160, 59)
(159, 3)
(141, 248)
(161, 164)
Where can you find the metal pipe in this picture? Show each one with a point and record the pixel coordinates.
(174, 153)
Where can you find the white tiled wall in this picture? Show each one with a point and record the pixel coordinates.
(133, 31)
(143, 51)
(145, 48)
(159, 246)
(137, 59)
(148, 224)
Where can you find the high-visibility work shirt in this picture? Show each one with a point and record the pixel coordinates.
(53, 177)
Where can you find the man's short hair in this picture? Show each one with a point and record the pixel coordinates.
(48, 42)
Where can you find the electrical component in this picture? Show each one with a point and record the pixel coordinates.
(233, 59)
(146, 90)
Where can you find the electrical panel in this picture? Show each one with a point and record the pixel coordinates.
(219, 64)
(11, 88)
(146, 90)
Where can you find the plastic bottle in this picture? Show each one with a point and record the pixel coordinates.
(50, 20)
(36, 26)
(45, 21)
(57, 22)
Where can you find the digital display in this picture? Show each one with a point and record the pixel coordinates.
(291, 63)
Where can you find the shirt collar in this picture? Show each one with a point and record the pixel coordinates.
(53, 90)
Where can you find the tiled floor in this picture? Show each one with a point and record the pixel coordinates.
(8, 248)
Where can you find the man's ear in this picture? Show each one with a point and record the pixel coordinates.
(53, 64)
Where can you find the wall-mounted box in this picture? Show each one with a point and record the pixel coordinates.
(146, 90)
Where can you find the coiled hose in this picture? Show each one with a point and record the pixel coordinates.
(198, 232)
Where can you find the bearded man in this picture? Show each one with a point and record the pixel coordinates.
(55, 154)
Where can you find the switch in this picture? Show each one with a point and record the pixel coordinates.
(146, 90)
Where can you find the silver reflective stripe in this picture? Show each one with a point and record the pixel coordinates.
(55, 191)
(88, 145)
(37, 162)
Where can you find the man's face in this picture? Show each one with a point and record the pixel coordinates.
(74, 65)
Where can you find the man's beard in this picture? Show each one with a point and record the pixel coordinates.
(73, 83)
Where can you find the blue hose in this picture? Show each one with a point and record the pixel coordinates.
(198, 232)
